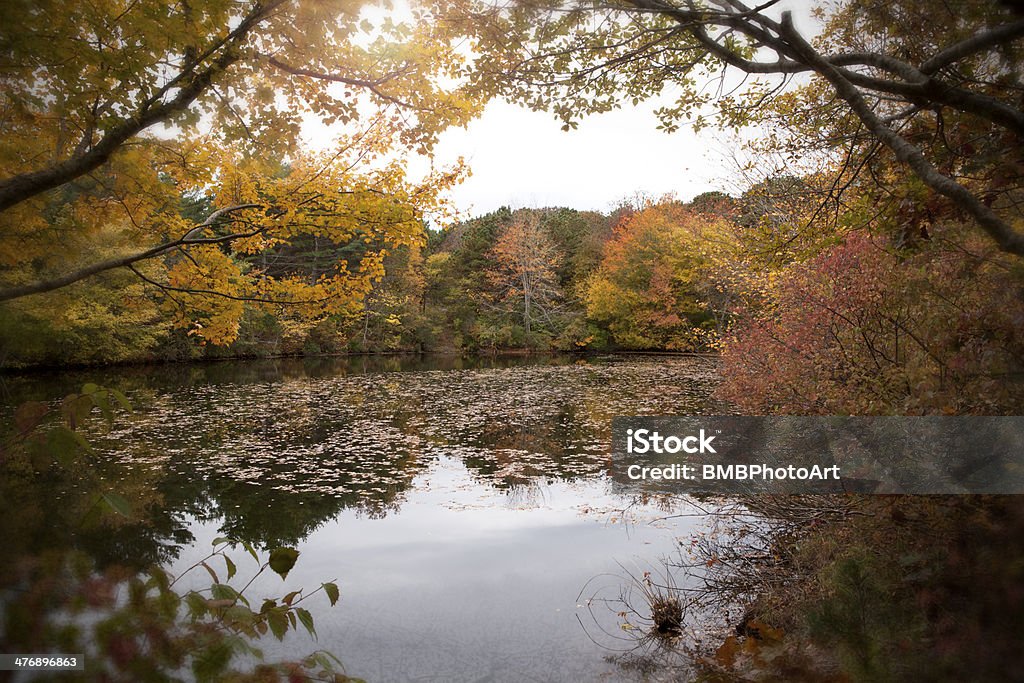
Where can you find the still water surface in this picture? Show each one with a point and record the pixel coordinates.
(463, 507)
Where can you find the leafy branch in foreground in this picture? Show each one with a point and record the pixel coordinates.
(140, 626)
(144, 628)
(206, 630)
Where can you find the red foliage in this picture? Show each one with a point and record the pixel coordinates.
(860, 330)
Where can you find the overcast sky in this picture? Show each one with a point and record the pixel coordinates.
(521, 158)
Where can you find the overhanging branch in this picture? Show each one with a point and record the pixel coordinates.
(186, 240)
(191, 84)
(1003, 233)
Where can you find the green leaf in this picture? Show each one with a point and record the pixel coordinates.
(101, 402)
(168, 603)
(252, 551)
(278, 623)
(241, 617)
(306, 619)
(232, 569)
(328, 663)
(118, 504)
(89, 388)
(62, 444)
(159, 578)
(121, 399)
(326, 660)
(222, 591)
(282, 560)
(242, 646)
(196, 604)
(82, 442)
(332, 592)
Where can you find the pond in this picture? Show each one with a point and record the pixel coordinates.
(462, 507)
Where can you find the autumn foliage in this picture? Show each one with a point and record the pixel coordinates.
(163, 143)
(655, 285)
(525, 270)
(865, 329)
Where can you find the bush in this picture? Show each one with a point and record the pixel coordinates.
(864, 330)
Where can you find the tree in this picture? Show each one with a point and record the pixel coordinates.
(86, 85)
(392, 317)
(654, 286)
(580, 236)
(457, 285)
(881, 75)
(525, 270)
(714, 203)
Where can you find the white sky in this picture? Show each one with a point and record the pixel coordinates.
(521, 158)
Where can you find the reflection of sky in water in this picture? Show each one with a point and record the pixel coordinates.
(467, 583)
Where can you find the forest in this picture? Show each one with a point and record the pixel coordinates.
(652, 274)
(843, 319)
(158, 206)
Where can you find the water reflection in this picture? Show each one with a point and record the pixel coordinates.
(461, 504)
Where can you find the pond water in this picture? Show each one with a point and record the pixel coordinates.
(463, 507)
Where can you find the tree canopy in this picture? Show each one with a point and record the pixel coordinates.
(121, 119)
(157, 150)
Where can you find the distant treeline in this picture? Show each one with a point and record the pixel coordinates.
(536, 279)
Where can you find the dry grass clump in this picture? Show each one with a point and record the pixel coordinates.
(666, 614)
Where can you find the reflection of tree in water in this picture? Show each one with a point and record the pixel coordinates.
(84, 567)
(525, 494)
(272, 450)
(269, 452)
(509, 454)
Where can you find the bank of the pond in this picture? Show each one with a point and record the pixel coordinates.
(875, 588)
(156, 361)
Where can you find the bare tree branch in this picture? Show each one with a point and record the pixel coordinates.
(1003, 233)
(982, 41)
(856, 76)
